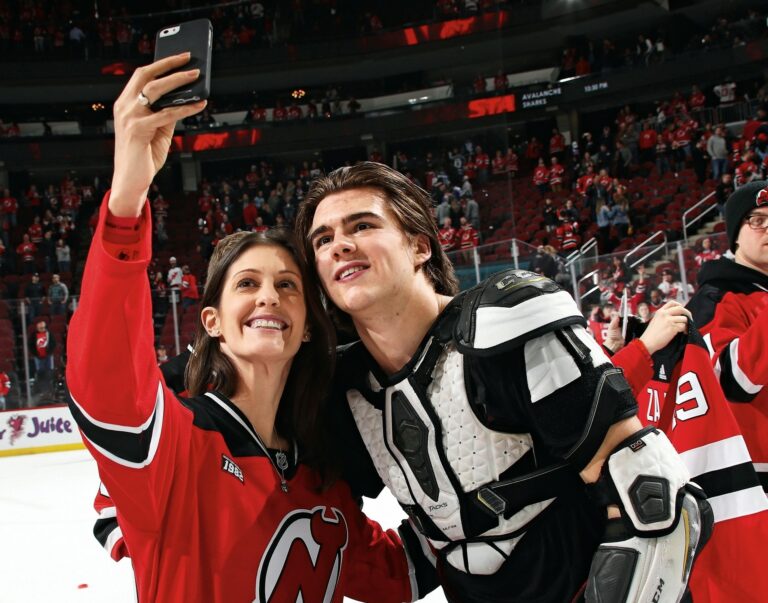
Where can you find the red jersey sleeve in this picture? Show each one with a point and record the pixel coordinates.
(637, 365)
(380, 567)
(117, 395)
(735, 341)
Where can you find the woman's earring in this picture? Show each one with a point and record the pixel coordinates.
(307, 336)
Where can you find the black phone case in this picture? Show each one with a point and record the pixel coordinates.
(195, 37)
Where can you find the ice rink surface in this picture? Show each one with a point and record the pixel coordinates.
(47, 551)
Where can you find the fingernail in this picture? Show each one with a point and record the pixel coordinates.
(193, 73)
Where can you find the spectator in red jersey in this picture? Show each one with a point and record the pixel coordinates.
(512, 162)
(541, 177)
(498, 165)
(707, 253)
(469, 238)
(41, 348)
(663, 148)
(5, 388)
(582, 66)
(189, 292)
(294, 111)
(250, 213)
(160, 207)
(681, 146)
(145, 46)
(482, 164)
(470, 168)
(567, 236)
(533, 151)
(279, 113)
(34, 199)
(647, 142)
(672, 289)
(35, 231)
(256, 114)
(604, 185)
(205, 200)
(500, 81)
(447, 235)
(478, 85)
(747, 171)
(260, 226)
(697, 100)
(26, 252)
(585, 186)
(557, 144)
(677, 105)
(10, 207)
(556, 172)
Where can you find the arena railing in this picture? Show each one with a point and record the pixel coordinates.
(175, 324)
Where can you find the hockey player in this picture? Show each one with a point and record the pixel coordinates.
(221, 496)
(486, 412)
(731, 311)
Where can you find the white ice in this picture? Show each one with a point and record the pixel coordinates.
(47, 550)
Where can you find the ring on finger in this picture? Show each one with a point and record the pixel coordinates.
(143, 100)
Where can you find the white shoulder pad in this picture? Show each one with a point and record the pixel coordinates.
(510, 308)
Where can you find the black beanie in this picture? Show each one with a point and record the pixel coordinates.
(740, 203)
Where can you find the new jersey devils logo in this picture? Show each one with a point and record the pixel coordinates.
(302, 562)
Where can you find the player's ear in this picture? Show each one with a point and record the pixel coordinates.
(210, 318)
(421, 249)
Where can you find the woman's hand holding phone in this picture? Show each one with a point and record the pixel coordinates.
(143, 137)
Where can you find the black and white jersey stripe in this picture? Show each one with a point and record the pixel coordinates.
(126, 445)
(736, 385)
(725, 471)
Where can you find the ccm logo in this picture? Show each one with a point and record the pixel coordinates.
(657, 594)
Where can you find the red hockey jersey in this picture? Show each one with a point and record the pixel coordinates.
(686, 402)
(199, 502)
(731, 310)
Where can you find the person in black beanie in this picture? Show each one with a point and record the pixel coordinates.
(731, 311)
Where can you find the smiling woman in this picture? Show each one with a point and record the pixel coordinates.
(257, 311)
(227, 495)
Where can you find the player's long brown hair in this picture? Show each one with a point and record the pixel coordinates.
(301, 413)
(410, 205)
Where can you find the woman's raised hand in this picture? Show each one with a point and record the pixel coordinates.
(143, 137)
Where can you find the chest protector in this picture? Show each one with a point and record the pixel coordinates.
(443, 464)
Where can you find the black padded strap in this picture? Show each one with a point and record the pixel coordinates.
(609, 388)
(511, 496)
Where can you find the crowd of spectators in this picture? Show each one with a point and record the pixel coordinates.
(123, 30)
(596, 56)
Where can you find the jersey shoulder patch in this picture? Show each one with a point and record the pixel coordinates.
(510, 308)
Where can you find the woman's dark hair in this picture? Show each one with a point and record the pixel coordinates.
(301, 413)
(410, 205)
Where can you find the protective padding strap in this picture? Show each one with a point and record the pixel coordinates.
(646, 475)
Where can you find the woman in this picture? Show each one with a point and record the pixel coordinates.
(220, 496)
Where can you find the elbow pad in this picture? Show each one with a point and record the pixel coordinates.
(648, 554)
